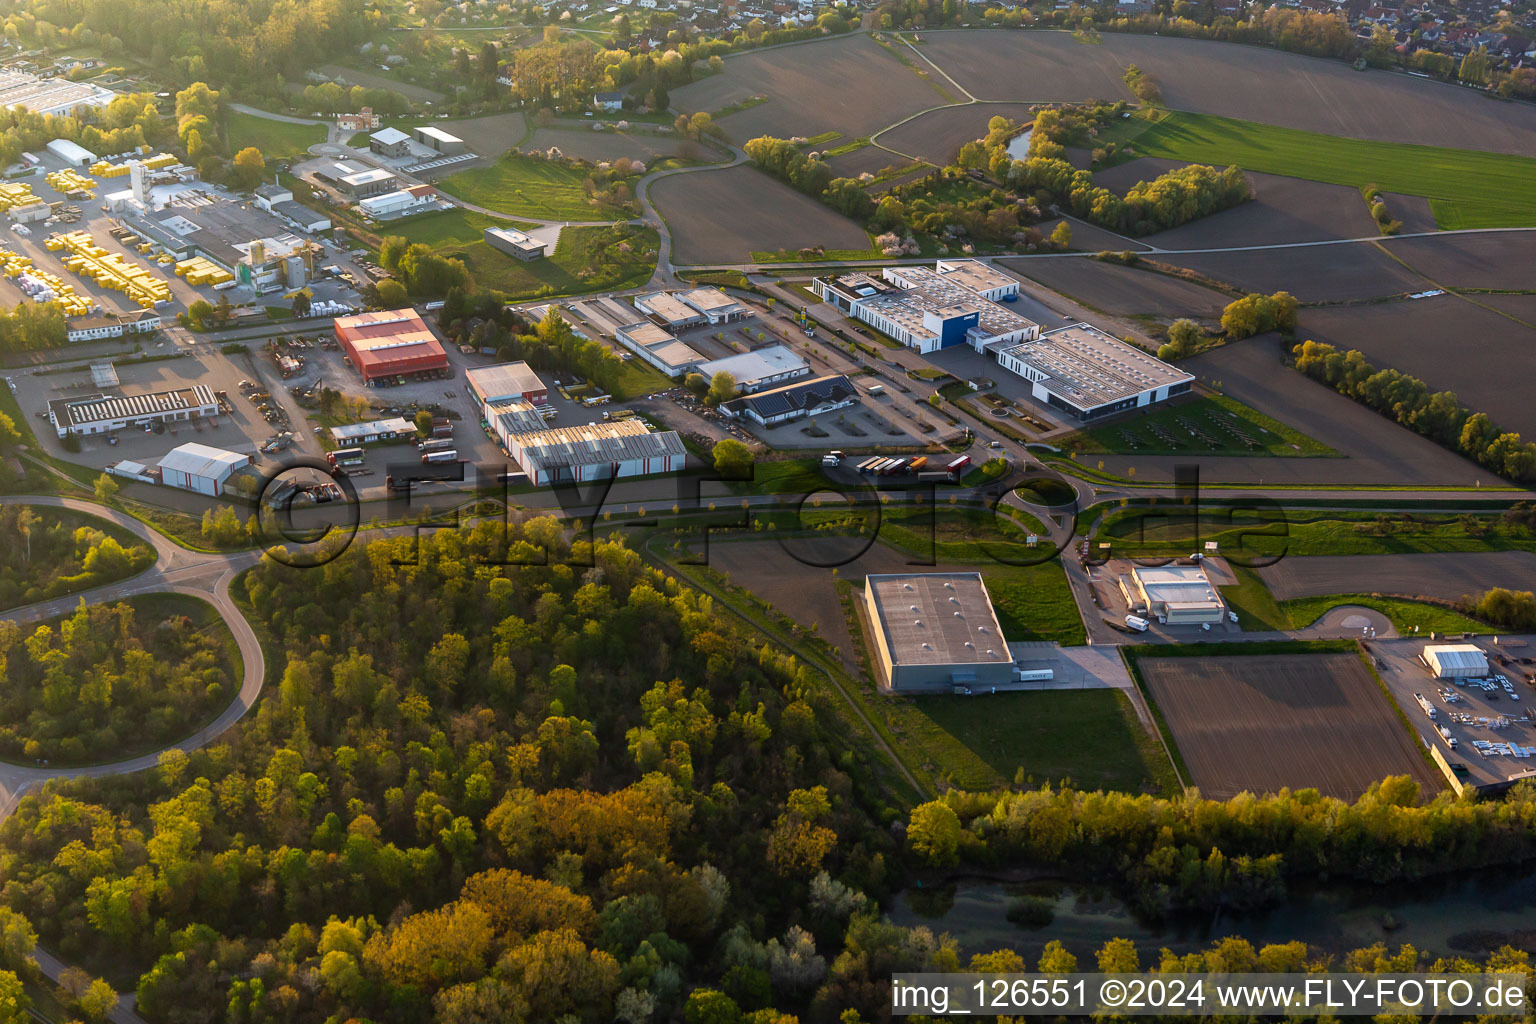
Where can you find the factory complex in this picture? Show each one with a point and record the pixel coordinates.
(595, 451)
(956, 303)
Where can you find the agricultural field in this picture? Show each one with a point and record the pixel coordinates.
(847, 84)
(372, 80)
(1500, 261)
(724, 216)
(490, 134)
(1259, 722)
(1376, 450)
(865, 160)
(937, 135)
(609, 145)
(1447, 576)
(1466, 188)
(1428, 338)
(518, 185)
(1120, 291)
(1205, 426)
(1281, 210)
(1250, 82)
(1320, 273)
(277, 140)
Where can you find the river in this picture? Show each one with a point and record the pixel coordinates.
(1468, 913)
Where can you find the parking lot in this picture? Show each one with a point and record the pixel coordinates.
(1491, 719)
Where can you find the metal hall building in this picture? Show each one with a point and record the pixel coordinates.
(934, 631)
(390, 343)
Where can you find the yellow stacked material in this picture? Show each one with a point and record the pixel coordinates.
(15, 193)
(110, 270)
(70, 180)
(144, 247)
(14, 265)
(102, 169)
(165, 259)
(200, 271)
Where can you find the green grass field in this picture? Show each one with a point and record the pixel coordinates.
(1229, 428)
(448, 228)
(1091, 737)
(1466, 188)
(585, 260)
(1257, 609)
(1171, 531)
(277, 140)
(522, 186)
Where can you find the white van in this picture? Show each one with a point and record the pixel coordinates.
(1137, 623)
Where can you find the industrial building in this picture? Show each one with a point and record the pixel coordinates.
(391, 429)
(1178, 595)
(278, 201)
(362, 184)
(596, 451)
(935, 631)
(100, 414)
(714, 305)
(506, 382)
(1456, 661)
(668, 310)
(197, 467)
(759, 369)
(436, 138)
(515, 244)
(72, 153)
(390, 343)
(113, 325)
(794, 401)
(929, 310)
(390, 142)
(659, 348)
(242, 238)
(1088, 374)
(510, 418)
(402, 201)
(978, 277)
(46, 96)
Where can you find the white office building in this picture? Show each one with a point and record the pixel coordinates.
(929, 310)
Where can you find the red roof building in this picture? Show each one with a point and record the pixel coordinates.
(390, 343)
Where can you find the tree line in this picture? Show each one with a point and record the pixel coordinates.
(32, 325)
(1439, 416)
(1189, 853)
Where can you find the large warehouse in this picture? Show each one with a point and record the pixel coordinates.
(197, 467)
(100, 414)
(761, 368)
(390, 343)
(930, 310)
(1178, 595)
(505, 382)
(653, 344)
(935, 631)
(1088, 374)
(1456, 661)
(596, 451)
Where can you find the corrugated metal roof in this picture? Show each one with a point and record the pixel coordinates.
(196, 459)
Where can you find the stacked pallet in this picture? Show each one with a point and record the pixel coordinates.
(109, 269)
(200, 271)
